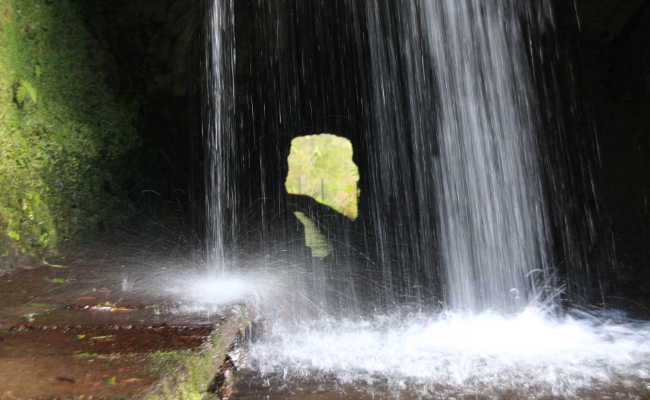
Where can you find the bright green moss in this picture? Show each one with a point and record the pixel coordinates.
(63, 133)
(186, 374)
(321, 166)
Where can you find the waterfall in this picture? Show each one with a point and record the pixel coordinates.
(455, 212)
(454, 125)
(491, 208)
(455, 215)
(218, 131)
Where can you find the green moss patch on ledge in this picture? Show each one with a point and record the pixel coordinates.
(189, 374)
(64, 134)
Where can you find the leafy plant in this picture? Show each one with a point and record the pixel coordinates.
(25, 91)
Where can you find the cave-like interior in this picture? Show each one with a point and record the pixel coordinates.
(302, 67)
(106, 163)
(295, 76)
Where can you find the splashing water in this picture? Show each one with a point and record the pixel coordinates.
(225, 289)
(530, 353)
(453, 119)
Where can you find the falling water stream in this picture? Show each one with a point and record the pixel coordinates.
(451, 115)
(219, 195)
(490, 206)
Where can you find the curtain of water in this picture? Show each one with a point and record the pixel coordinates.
(491, 208)
(479, 157)
(218, 130)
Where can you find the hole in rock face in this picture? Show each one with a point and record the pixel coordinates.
(321, 167)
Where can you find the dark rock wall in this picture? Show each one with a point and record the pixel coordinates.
(299, 72)
(304, 66)
(158, 46)
(613, 80)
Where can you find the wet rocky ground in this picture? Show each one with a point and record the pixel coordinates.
(73, 331)
(250, 385)
(101, 327)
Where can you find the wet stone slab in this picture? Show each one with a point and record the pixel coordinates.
(63, 337)
(249, 385)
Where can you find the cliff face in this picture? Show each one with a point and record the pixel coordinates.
(65, 135)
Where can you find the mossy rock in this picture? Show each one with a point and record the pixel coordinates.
(65, 133)
(190, 374)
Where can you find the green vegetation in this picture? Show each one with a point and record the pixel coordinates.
(31, 317)
(43, 309)
(186, 373)
(321, 166)
(314, 239)
(189, 374)
(55, 280)
(63, 133)
(85, 355)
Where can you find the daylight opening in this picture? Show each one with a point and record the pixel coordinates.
(321, 167)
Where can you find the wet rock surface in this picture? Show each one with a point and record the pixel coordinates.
(73, 333)
(249, 386)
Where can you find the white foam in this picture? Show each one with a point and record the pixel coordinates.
(533, 352)
(472, 353)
